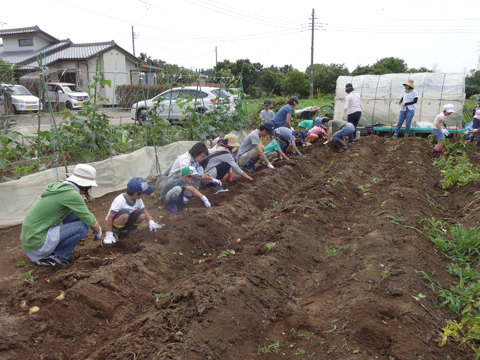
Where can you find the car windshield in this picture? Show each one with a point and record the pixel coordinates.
(221, 93)
(71, 88)
(20, 90)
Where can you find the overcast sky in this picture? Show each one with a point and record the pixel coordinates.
(442, 35)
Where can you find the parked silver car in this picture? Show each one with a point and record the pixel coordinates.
(203, 99)
(21, 99)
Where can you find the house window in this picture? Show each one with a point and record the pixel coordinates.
(25, 42)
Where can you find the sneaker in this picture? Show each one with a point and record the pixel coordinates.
(53, 261)
(249, 169)
(342, 150)
(132, 230)
(230, 177)
(394, 137)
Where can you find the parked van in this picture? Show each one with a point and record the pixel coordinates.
(19, 99)
(70, 94)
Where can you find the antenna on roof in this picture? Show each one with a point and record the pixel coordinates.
(3, 23)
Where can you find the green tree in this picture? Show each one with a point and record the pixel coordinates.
(472, 83)
(419, 70)
(271, 82)
(6, 72)
(390, 65)
(243, 67)
(296, 83)
(325, 76)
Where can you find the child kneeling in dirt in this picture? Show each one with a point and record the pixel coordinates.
(276, 149)
(317, 131)
(173, 192)
(128, 211)
(439, 129)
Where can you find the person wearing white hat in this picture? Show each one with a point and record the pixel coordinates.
(439, 129)
(407, 110)
(59, 219)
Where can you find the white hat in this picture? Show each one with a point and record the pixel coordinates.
(84, 175)
(449, 108)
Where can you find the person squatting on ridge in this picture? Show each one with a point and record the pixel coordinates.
(319, 130)
(337, 129)
(439, 129)
(172, 193)
(407, 110)
(59, 219)
(128, 211)
(221, 161)
(250, 150)
(353, 109)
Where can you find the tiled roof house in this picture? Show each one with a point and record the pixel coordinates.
(66, 61)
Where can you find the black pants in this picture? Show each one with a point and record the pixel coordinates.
(354, 119)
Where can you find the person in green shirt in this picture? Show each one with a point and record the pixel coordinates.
(59, 219)
(303, 127)
(274, 149)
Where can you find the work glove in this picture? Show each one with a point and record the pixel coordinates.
(217, 182)
(109, 238)
(445, 132)
(153, 226)
(299, 153)
(270, 166)
(98, 235)
(206, 202)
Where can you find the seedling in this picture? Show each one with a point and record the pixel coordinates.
(419, 297)
(386, 273)
(359, 172)
(383, 203)
(334, 251)
(356, 351)
(300, 352)
(332, 205)
(335, 181)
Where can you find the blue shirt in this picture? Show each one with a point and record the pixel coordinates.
(280, 117)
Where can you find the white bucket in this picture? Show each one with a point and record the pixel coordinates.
(357, 135)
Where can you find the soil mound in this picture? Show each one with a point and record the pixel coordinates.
(318, 258)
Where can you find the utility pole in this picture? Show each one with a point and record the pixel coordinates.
(216, 56)
(3, 23)
(311, 60)
(133, 41)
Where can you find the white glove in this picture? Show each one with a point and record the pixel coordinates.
(445, 132)
(153, 226)
(206, 202)
(216, 181)
(109, 238)
(98, 235)
(270, 166)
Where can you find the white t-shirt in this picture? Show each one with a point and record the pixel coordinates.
(121, 203)
(439, 120)
(408, 97)
(353, 103)
(266, 115)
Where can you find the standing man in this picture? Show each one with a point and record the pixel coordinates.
(353, 109)
(407, 111)
(250, 149)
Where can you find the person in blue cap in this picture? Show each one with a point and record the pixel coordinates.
(128, 211)
(173, 191)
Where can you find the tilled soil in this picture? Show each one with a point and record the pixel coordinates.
(338, 279)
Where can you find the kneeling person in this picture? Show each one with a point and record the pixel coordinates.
(173, 192)
(337, 129)
(128, 211)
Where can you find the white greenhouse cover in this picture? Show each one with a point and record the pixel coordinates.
(113, 174)
(380, 95)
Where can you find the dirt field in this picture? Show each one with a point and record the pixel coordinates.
(339, 283)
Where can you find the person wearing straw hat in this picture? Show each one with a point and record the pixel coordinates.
(59, 219)
(407, 110)
(221, 162)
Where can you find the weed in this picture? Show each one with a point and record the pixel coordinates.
(270, 246)
(386, 273)
(308, 337)
(22, 264)
(300, 352)
(364, 186)
(159, 297)
(359, 172)
(332, 330)
(345, 344)
(269, 349)
(332, 205)
(335, 181)
(389, 155)
(356, 351)
(376, 180)
(419, 297)
(334, 251)
(225, 253)
(28, 278)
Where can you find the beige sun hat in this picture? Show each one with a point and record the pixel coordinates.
(409, 82)
(232, 140)
(84, 175)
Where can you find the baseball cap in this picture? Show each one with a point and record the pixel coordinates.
(449, 108)
(190, 171)
(348, 87)
(137, 185)
(267, 103)
(269, 127)
(294, 98)
(478, 99)
(318, 121)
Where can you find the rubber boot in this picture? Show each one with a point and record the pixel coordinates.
(342, 143)
(250, 167)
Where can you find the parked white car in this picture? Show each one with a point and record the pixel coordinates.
(70, 94)
(22, 99)
(203, 100)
